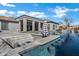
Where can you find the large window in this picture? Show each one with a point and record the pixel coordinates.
(36, 26)
(21, 25)
(4, 25)
(54, 26)
(29, 25)
(41, 25)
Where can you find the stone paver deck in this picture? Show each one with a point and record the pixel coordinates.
(37, 42)
(47, 39)
(28, 46)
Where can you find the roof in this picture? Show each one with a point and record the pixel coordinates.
(8, 19)
(38, 19)
(53, 22)
(30, 17)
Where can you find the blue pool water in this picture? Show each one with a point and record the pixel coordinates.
(70, 47)
(63, 46)
(48, 49)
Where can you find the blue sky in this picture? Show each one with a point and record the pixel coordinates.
(52, 11)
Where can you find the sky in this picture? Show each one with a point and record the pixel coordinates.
(52, 11)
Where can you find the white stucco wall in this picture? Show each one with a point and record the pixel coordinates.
(51, 26)
(13, 27)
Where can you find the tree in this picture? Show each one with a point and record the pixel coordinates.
(68, 21)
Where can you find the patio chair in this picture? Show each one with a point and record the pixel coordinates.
(44, 34)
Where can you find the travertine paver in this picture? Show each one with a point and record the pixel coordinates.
(37, 42)
(47, 39)
(23, 37)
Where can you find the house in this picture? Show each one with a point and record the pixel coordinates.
(25, 23)
(8, 23)
(52, 25)
(28, 23)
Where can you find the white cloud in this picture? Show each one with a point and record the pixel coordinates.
(62, 11)
(11, 12)
(38, 14)
(3, 12)
(7, 13)
(19, 13)
(76, 9)
(7, 4)
(31, 13)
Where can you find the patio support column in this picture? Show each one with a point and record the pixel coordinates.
(19, 26)
(24, 24)
(39, 26)
(33, 26)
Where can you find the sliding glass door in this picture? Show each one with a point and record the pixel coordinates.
(4, 25)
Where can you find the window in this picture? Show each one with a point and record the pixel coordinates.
(21, 25)
(53, 26)
(29, 25)
(36, 26)
(4, 25)
(41, 25)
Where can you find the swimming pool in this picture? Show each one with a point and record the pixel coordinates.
(48, 49)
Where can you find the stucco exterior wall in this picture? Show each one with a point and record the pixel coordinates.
(14, 27)
(51, 26)
(56, 26)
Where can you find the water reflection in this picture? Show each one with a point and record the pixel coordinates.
(70, 46)
(40, 51)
